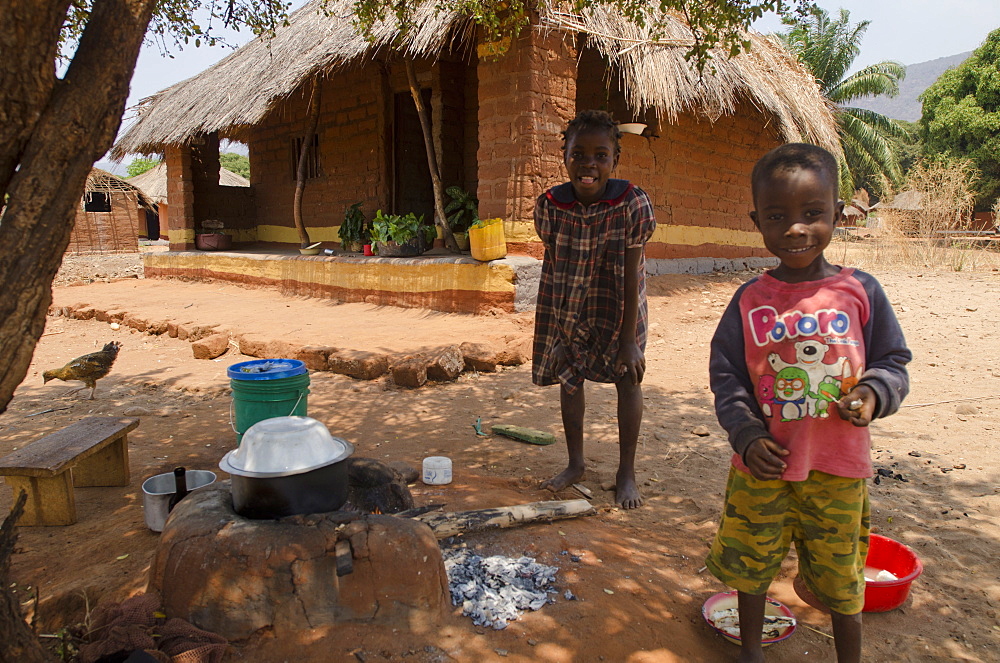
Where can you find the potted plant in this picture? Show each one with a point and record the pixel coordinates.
(462, 211)
(211, 237)
(353, 231)
(395, 235)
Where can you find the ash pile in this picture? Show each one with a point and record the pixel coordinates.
(494, 590)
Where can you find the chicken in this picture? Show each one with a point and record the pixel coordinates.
(88, 368)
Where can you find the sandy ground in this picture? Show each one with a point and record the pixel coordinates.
(640, 578)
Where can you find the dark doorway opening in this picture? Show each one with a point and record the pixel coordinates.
(97, 201)
(414, 191)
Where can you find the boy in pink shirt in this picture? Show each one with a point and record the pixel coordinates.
(805, 356)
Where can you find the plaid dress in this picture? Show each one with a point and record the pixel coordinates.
(581, 296)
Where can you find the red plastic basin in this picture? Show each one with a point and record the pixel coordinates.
(897, 559)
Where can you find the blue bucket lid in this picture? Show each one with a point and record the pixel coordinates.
(266, 369)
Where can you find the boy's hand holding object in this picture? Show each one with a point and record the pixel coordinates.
(858, 405)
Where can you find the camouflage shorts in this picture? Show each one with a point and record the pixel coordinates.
(826, 516)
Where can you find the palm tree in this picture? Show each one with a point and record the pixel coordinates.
(828, 47)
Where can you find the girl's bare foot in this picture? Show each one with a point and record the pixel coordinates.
(566, 478)
(627, 494)
(752, 656)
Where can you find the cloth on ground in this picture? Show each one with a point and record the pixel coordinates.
(134, 625)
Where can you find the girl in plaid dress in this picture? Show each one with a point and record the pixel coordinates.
(590, 318)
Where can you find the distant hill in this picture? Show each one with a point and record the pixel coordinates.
(906, 106)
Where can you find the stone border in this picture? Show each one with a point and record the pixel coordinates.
(412, 370)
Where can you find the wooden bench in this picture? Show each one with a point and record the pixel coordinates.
(91, 452)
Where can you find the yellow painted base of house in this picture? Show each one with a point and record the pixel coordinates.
(439, 282)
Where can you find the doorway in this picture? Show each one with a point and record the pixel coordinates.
(413, 188)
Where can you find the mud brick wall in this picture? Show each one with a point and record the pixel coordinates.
(697, 171)
(352, 144)
(526, 98)
(180, 197)
(698, 175)
(116, 231)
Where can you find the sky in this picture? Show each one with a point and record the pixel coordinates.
(907, 31)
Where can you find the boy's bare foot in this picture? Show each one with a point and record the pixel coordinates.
(627, 494)
(566, 478)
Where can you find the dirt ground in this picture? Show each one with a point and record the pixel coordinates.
(640, 577)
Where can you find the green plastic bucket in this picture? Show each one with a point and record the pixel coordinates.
(267, 388)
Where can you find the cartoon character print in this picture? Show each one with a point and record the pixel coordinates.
(791, 385)
(809, 358)
(826, 392)
(765, 394)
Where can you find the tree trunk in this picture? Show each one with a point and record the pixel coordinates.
(52, 132)
(17, 641)
(440, 219)
(460, 522)
(300, 172)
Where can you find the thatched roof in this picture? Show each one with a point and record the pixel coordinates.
(904, 200)
(101, 181)
(153, 182)
(240, 90)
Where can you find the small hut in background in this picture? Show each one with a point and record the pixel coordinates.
(856, 213)
(111, 217)
(153, 183)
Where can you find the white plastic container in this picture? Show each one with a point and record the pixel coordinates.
(437, 470)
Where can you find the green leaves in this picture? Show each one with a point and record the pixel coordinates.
(463, 210)
(828, 47)
(715, 23)
(397, 228)
(961, 116)
(353, 228)
(237, 163)
(140, 165)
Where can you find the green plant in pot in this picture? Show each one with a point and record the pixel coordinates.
(395, 235)
(353, 231)
(462, 211)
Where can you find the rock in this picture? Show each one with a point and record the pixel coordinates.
(157, 328)
(967, 408)
(135, 323)
(446, 364)
(315, 357)
(267, 348)
(607, 485)
(136, 411)
(701, 431)
(481, 357)
(84, 313)
(410, 371)
(409, 473)
(210, 347)
(359, 364)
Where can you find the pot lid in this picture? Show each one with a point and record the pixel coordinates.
(266, 369)
(281, 446)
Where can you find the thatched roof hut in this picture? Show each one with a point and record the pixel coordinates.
(240, 90)
(102, 182)
(111, 216)
(153, 182)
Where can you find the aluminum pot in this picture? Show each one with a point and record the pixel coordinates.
(286, 466)
(157, 491)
